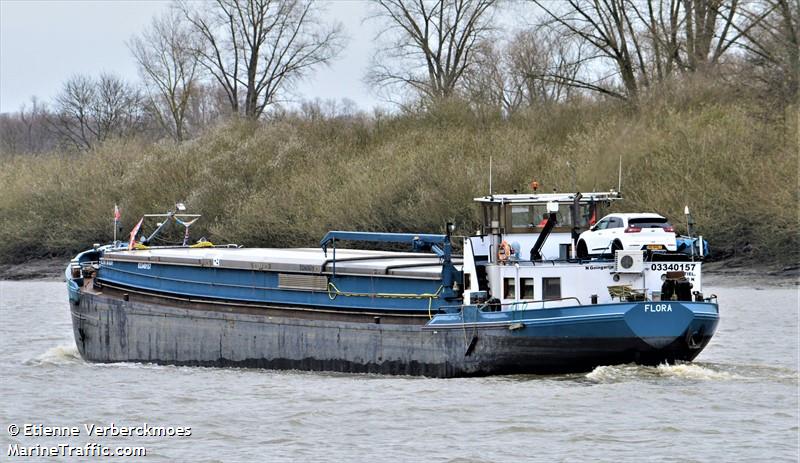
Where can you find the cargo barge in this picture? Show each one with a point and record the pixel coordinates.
(488, 310)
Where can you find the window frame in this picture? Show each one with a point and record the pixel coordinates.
(546, 285)
(509, 283)
(523, 284)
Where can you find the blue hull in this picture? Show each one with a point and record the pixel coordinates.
(580, 338)
(131, 326)
(343, 292)
(652, 322)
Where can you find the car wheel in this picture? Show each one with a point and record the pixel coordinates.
(583, 252)
(616, 246)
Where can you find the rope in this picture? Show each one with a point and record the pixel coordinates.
(428, 296)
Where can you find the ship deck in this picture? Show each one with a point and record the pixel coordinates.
(300, 260)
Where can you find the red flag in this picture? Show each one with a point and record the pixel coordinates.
(116, 213)
(133, 234)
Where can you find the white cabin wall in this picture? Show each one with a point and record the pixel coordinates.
(481, 245)
(470, 272)
(550, 249)
(582, 280)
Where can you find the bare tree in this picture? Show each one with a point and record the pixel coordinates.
(32, 117)
(431, 44)
(607, 26)
(169, 67)
(646, 41)
(772, 42)
(88, 111)
(542, 64)
(208, 103)
(709, 32)
(11, 134)
(73, 120)
(118, 107)
(255, 49)
(488, 84)
(661, 21)
(329, 109)
(533, 68)
(25, 131)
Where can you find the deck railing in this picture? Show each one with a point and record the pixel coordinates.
(497, 307)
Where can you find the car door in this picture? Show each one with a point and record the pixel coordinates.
(616, 227)
(597, 240)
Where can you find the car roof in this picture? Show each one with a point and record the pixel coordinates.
(636, 215)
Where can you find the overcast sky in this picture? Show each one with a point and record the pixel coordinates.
(43, 43)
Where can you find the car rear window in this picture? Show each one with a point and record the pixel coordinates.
(649, 222)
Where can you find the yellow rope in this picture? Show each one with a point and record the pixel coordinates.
(428, 296)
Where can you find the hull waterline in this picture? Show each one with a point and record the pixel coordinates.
(115, 326)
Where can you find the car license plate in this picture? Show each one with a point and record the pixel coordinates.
(654, 246)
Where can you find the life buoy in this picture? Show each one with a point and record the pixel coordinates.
(504, 252)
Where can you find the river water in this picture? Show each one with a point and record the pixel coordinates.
(737, 402)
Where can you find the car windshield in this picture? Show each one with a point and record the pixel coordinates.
(649, 222)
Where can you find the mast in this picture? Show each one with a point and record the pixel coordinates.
(490, 176)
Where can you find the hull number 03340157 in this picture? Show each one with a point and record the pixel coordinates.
(686, 267)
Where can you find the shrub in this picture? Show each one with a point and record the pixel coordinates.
(286, 182)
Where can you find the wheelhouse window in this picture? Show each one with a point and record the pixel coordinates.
(551, 288)
(528, 216)
(539, 215)
(491, 213)
(509, 288)
(521, 217)
(587, 215)
(533, 217)
(526, 288)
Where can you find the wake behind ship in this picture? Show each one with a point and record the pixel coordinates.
(489, 310)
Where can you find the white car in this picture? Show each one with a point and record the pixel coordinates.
(629, 232)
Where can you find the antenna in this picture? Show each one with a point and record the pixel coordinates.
(619, 181)
(490, 176)
(690, 228)
(574, 176)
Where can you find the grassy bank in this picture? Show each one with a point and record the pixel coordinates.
(285, 183)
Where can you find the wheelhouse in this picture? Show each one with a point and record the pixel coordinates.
(521, 219)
